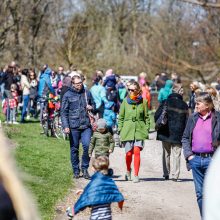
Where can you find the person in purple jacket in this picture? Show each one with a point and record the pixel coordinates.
(200, 140)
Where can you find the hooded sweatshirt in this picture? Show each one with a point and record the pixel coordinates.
(166, 91)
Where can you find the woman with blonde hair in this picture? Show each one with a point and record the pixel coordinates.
(133, 125)
(15, 203)
(215, 97)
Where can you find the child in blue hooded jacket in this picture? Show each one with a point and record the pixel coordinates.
(109, 115)
(99, 193)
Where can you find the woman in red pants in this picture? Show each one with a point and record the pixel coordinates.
(133, 125)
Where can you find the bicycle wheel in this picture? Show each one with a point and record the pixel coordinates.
(57, 127)
(45, 125)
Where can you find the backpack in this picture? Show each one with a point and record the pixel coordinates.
(112, 95)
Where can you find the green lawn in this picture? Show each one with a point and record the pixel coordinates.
(47, 163)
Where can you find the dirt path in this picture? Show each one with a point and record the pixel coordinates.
(152, 198)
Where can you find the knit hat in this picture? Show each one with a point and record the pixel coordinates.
(101, 123)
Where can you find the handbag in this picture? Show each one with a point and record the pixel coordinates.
(92, 118)
(163, 118)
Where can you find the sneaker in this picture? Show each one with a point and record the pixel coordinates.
(128, 176)
(10, 122)
(136, 179)
(86, 175)
(28, 117)
(15, 123)
(174, 179)
(69, 213)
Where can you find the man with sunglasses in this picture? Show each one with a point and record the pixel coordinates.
(76, 103)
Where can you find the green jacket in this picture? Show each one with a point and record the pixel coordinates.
(102, 143)
(134, 121)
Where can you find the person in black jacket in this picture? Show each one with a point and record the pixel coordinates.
(76, 103)
(171, 133)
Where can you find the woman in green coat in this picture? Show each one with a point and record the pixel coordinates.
(133, 125)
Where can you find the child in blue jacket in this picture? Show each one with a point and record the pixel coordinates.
(99, 193)
(109, 116)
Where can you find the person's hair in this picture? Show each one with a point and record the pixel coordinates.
(14, 86)
(136, 84)
(29, 73)
(25, 72)
(97, 79)
(10, 70)
(76, 77)
(101, 164)
(205, 98)
(211, 91)
(195, 85)
(22, 203)
(177, 88)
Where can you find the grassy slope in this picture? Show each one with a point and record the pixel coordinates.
(46, 161)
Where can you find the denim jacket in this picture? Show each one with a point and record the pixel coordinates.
(191, 123)
(73, 109)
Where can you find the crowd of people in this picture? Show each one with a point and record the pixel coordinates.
(110, 107)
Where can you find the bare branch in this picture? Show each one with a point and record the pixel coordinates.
(202, 3)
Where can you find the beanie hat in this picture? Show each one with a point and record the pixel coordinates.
(101, 123)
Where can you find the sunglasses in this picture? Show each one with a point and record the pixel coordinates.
(131, 90)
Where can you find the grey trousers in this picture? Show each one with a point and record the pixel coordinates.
(176, 152)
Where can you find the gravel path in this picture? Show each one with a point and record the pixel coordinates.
(152, 198)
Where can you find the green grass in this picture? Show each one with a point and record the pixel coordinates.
(46, 161)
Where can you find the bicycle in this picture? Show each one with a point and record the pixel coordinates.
(51, 120)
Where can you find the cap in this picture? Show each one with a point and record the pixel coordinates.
(101, 123)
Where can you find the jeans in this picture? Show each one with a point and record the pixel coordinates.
(25, 105)
(2, 88)
(199, 167)
(75, 136)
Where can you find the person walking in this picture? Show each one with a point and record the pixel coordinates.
(102, 141)
(171, 134)
(133, 126)
(99, 95)
(200, 140)
(76, 103)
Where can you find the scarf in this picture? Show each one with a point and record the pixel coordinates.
(132, 99)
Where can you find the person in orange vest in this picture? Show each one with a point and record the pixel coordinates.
(145, 88)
